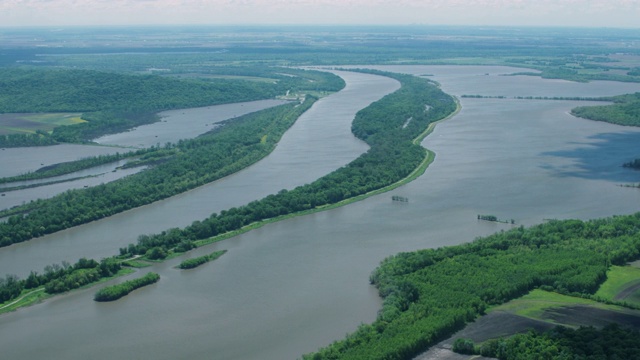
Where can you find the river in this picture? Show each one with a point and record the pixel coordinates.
(290, 287)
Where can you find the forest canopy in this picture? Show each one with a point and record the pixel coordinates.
(430, 294)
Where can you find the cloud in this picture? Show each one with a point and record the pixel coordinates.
(473, 12)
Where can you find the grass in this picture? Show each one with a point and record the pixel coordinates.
(138, 264)
(56, 119)
(620, 278)
(26, 299)
(30, 123)
(534, 304)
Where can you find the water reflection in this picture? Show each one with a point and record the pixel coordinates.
(600, 158)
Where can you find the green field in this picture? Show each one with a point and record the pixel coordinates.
(537, 302)
(623, 284)
(29, 123)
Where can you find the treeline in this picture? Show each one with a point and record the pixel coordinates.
(59, 278)
(574, 74)
(113, 102)
(225, 150)
(610, 343)
(115, 292)
(563, 98)
(197, 261)
(430, 294)
(635, 164)
(392, 157)
(625, 111)
(40, 138)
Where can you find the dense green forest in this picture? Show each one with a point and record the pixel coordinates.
(610, 343)
(40, 138)
(393, 156)
(115, 292)
(429, 294)
(113, 102)
(227, 149)
(624, 111)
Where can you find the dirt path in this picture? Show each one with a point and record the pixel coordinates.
(628, 291)
(20, 298)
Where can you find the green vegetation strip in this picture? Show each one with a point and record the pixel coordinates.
(197, 261)
(115, 292)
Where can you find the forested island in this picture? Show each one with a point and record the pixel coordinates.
(200, 260)
(430, 294)
(115, 292)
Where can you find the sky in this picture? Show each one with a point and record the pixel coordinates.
(569, 13)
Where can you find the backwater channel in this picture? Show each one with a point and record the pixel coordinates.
(290, 287)
(171, 128)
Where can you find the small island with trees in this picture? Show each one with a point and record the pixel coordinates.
(115, 292)
(200, 260)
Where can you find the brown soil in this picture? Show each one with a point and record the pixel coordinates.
(494, 325)
(582, 315)
(17, 121)
(502, 324)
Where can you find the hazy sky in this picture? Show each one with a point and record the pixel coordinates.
(591, 13)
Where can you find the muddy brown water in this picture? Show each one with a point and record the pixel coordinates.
(290, 287)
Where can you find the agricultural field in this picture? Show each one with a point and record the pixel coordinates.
(542, 310)
(622, 285)
(29, 123)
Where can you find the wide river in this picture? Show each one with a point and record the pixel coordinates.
(290, 287)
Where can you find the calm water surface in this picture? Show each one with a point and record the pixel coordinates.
(291, 287)
(183, 124)
(175, 125)
(17, 161)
